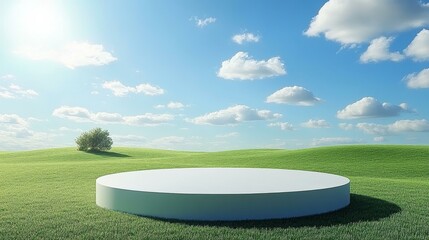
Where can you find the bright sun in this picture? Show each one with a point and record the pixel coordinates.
(36, 20)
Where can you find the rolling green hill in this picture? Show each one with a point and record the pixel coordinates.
(47, 194)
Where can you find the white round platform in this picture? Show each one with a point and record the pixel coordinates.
(223, 193)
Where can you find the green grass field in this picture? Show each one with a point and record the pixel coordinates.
(50, 194)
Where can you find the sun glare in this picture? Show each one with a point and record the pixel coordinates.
(36, 20)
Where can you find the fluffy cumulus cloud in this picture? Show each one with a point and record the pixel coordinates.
(233, 115)
(119, 89)
(12, 120)
(378, 50)
(175, 105)
(15, 91)
(282, 125)
(148, 89)
(313, 123)
(419, 47)
(79, 114)
(73, 55)
(334, 141)
(202, 22)
(421, 125)
(16, 134)
(25, 139)
(293, 95)
(245, 37)
(418, 80)
(356, 21)
(399, 126)
(171, 105)
(243, 67)
(369, 107)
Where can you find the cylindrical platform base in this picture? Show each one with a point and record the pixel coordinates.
(223, 193)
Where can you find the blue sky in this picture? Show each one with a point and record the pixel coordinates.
(214, 75)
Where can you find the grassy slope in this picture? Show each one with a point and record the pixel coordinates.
(51, 194)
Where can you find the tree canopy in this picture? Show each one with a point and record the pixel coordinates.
(94, 140)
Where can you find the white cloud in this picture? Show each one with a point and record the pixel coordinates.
(245, 37)
(228, 135)
(419, 47)
(107, 117)
(15, 91)
(148, 89)
(7, 77)
(243, 67)
(346, 126)
(333, 141)
(372, 128)
(120, 89)
(79, 114)
(356, 21)
(282, 125)
(23, 92)
(148, 119)
(75, 54)
(175, 105)
(24, 139)
(171, 105)
(418, 80)
(399, 126)
(293, 95)
(234, 115)
(16, 134)
(204, 22)
(410, 126)
(85, 54)
(320, 123)
(378, 50)
(4, 93)
(12, 120)
(369, 107)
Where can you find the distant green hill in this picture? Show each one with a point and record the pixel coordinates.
(51, 194)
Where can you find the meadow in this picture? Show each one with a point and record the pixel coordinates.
(50, 194)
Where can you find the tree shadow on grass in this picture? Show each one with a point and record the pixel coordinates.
(108, 154)
(361, 209)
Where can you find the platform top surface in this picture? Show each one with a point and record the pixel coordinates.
(222, 180)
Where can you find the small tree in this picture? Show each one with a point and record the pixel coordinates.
(94, 140)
